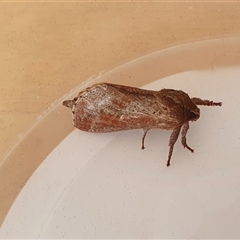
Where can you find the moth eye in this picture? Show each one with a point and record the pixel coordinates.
(73, 112)
(194, 116)
(75, 99)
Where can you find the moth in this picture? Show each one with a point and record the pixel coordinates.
(107, 107)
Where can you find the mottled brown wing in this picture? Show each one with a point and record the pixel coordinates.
(131, 90)
(109, 107)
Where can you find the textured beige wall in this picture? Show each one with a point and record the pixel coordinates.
(49, 48)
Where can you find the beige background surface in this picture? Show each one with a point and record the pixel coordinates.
(49, 48)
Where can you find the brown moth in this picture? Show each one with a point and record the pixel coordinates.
(107, 107)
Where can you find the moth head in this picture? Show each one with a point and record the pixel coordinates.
(194, 114)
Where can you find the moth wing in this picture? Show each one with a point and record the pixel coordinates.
(130, 90)
(148, 109)
(109, 107)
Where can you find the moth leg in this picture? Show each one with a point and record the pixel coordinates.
(184, 133)
(173, 139)
(199, 101)
(143, 137)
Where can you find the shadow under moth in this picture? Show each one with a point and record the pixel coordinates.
(107, 107)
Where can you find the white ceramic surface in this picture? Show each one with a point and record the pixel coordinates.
(105, 186)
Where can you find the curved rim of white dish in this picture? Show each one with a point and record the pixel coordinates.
(53, 125)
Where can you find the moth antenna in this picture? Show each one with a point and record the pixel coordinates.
(199, 101)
